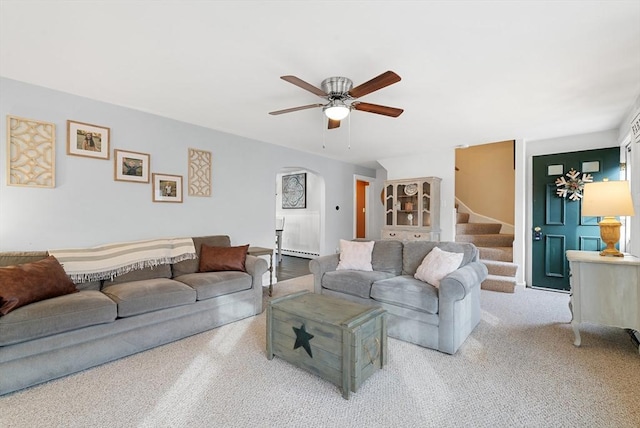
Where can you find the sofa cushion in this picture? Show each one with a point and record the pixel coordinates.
(214, 284)
(387, 256)
(56, 315)
(414, 253)
(436, 265)
(32, 282)
(355, 255)
(191, 266)
(90, 285)
(148, 295)
(160, 271)
(215, 259)
(407, 292)
(354, 282)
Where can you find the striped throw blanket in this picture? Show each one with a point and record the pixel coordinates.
(111, 260)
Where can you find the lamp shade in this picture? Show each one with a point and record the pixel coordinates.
(336, 110)
(607, 199)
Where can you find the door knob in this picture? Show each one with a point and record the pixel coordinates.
(537, 233)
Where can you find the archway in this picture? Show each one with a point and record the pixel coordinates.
(303, 214)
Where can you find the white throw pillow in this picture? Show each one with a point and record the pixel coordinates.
(438, 264)
(355, 255)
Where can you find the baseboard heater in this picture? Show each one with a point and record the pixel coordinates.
(299, 253)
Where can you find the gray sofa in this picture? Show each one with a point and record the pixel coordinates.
(438, 318)
(107, 320)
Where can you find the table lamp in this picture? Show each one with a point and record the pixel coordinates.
(608, 199)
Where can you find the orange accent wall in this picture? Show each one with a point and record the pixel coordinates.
(485, 180)
(360, 217)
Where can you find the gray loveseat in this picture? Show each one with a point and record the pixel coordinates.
(438, 318)
(107, 320)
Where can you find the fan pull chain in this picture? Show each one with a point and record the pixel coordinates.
(324, 131)
(349, 133)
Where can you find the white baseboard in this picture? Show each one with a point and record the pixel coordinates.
(298, 253)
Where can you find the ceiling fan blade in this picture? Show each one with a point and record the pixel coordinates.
(377, 109)
(289, 110)
(304, 85)
(385, 79)
(333, 124)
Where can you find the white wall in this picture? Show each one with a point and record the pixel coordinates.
(520, 211)
(87, 207)
(440, 163)
(377, 214)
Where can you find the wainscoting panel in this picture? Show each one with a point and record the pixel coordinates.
(301, 234)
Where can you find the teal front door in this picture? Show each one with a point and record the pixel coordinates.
(557, 223)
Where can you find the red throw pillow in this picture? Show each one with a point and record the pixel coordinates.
(32, 282)
(214, 259)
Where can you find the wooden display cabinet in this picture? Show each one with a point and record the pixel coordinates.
(412, 209)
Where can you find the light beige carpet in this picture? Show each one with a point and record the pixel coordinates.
(519, 368)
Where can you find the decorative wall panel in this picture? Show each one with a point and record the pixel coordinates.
(554, 207)
(199, 173)
(554, 258)
(30, 152)
(294, 191)
(590, 243)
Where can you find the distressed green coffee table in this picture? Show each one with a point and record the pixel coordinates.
(341, 341)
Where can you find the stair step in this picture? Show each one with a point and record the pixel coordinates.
(503, 254)
(477, 228)
(462, 217)
(505, 284)
(496, 267)
(488, 240)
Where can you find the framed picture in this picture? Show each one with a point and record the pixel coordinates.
(199, 181)
(131, 166)
(294, 191)
(84, 139)
(31, 152)
(167, 188)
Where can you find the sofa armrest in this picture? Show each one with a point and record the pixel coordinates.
(256, 267)
(459, 305)
(319, 266)
(459, 283)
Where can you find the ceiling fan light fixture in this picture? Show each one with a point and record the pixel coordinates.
(336, 110)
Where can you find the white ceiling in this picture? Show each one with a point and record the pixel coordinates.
(472, 72)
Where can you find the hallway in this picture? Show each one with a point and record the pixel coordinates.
(292, 267)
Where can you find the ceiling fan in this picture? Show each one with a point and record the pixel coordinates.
(342, 96)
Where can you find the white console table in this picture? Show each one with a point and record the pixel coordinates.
(604, 290)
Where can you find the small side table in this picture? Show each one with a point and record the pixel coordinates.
(279, 244)
(605, 290)
(262, 251)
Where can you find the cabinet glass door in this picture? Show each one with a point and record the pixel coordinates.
(407, 204)
(389, 205)
(426, 204)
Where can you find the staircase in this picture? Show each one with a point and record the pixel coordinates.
(496, 252)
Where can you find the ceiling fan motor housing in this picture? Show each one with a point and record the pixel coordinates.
(337, 87)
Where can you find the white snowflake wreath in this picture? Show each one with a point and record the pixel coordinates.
(573, 186)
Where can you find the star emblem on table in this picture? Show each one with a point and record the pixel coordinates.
(302, 339)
